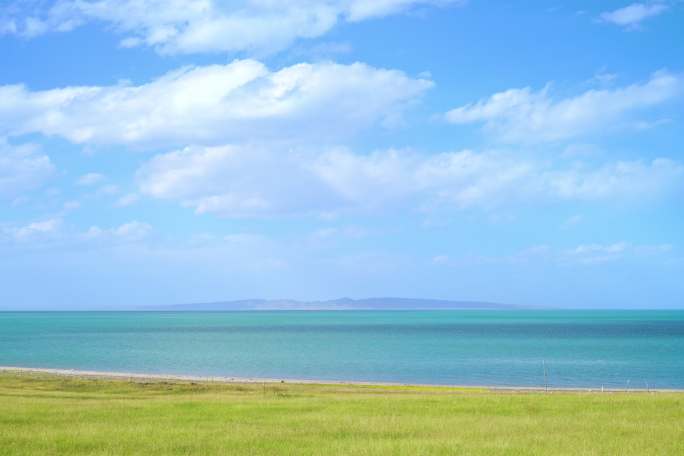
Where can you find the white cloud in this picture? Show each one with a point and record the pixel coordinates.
(190, 26)
(37, 228)
(580, 255)
(239, 181)
(526, 116)
(603, 78)
(604, 253)
(632, 15)
(467, 179)
(127, 200)
(624, 178)
(90, 179)
(22, 168)
(131, 231)
(254, 181)
(216, 103)
(597, 253)
(34, 231)
(53, 232)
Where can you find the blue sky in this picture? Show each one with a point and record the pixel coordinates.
(161, 152)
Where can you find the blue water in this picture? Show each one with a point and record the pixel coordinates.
(579, 348)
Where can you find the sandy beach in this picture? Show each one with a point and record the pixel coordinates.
(232, 379)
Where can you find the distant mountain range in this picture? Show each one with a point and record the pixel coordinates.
(337, 304)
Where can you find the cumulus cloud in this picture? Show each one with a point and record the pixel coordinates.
(632, 15)
(22, 168)
(247, 181)
(238, 181)
(191, 26)
(216, 103)
(469, 179)
(526, 116)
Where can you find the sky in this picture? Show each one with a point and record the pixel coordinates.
(164, 152)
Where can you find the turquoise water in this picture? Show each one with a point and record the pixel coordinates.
(579, 348)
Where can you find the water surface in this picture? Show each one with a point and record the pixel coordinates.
(504, 348)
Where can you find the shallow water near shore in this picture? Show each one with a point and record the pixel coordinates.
(615, 349)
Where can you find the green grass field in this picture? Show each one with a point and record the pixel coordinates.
(43, 414)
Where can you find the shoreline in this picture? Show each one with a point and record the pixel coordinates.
(109, 375)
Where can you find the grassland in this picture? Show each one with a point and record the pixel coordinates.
(47, 414)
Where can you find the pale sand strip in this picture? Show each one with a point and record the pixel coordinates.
(219, 379)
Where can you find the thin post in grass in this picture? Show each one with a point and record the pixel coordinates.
(546, 379)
